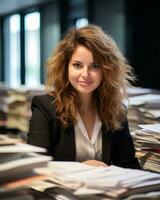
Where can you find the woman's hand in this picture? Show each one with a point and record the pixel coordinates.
(95, 163)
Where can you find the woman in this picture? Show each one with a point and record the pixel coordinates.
(83, 117)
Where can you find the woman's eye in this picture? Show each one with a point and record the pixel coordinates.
(77, 65)
(95, 66)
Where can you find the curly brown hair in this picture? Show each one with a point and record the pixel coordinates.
(117, 76)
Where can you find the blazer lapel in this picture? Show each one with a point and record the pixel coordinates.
(106, 146)
(64, 148)
(69, 144)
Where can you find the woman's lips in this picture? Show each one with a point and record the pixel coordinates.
(84, 82)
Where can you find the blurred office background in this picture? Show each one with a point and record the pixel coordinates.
(30, 30)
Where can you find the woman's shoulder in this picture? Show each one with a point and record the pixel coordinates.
(44, 102)
(43, 99)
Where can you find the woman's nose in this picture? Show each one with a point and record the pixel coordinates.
(85, 71)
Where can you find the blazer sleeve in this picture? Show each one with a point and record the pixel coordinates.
(123, 149)
(40, 126)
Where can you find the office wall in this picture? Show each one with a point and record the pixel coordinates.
(51, 29)
(143, 40)
(110, 14)
(50, 32)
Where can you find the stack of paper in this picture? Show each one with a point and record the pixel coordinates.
(18, 111)
(147, 143)
(15, 109)
(18, 162)
(75, 180)
(135, 91)
(143, 109)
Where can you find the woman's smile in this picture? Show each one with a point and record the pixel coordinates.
(85, 83)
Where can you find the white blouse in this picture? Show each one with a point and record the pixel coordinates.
(86, 148)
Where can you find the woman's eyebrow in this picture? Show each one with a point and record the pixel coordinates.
(75, 60)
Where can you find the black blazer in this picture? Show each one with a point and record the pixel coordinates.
(46, 131)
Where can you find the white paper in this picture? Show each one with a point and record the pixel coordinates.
(143, 99)
(151, 127)
(21, 148)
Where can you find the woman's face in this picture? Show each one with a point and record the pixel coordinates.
(84, 74)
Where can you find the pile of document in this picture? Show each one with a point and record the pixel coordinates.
(143, 109)
(136, 91)
(18, 110)
(15, 108)
(147, 143)
(75, 181)
(18, 164)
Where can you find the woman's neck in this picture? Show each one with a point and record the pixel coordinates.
(88, 112)
(86, 102)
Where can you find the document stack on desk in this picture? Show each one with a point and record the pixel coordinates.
(143, 109)
(18, 110)
(17, 165)
(136, 91)
(147, 143)
(75, 181)
(15, 109)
